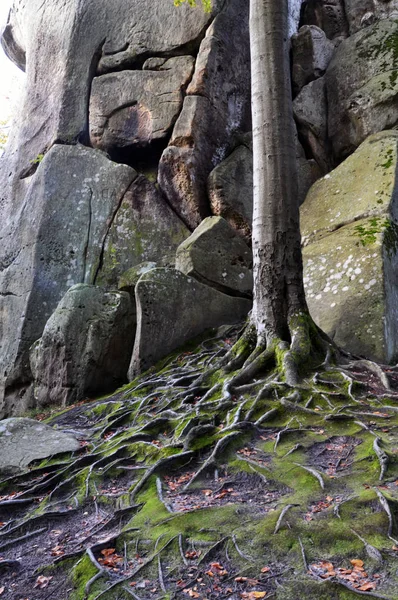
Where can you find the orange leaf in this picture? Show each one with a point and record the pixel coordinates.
(258, 594)
(265, 570)
(367, 586)
(356, 562)
(108, 551)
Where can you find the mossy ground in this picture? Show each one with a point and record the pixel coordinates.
(127, 516)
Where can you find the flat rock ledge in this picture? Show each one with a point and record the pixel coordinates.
(25, 440)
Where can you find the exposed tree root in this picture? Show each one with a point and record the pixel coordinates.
(199, 424)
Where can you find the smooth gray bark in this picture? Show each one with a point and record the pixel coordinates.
(278, 272)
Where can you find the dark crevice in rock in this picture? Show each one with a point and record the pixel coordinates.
(86, 246)
(84, 137)
(220, 288)
(144, 159)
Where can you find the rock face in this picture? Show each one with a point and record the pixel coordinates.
(215, 255)
(172, 309)
(312, 52)
(144, 229)
(216, 106)
(52, 242)
(329, 15)
(85, 348)
(362, 13)
(137, 107)
(362, 86)
(97, 36)
(311, 114)
(25, 440)
(230, 186)
(349, 223)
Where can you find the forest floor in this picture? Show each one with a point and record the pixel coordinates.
(175, 494)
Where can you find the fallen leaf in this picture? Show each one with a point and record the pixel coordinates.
(356, 562)
(2, 590)
(265, 570)
(367, 586)
(42, 582)
(259, 594)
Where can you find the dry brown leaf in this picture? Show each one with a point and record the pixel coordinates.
(108, 551)
(367, 586)
(356, 562)
(265, 570)
(42, 582)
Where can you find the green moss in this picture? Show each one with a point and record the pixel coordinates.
(82, 572)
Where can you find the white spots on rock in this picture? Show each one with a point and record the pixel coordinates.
(318, 296)
(333, 305)
(345, 288)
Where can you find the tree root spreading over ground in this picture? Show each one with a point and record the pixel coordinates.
(198, 482)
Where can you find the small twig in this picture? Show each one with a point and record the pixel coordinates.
(313, 472)
(372, 552)
(281, 516)
(235, 543)
(386, 507)
(303, 554)
(382, 456)
(160, 574)
(184, 560)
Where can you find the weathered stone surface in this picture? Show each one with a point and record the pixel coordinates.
(61, 61)
(329, 15)
(311, 114)
(312, 52)
(362, 13)
(85, 348)
(172, 309)
(51, 242)
(144, 229)
(25, 440)
(215, 255)
(217, 105)
(362, 86)
(350, 232)
(230, 186)
(136, 107)
(129, 278)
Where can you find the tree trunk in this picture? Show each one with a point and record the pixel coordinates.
(278, 271)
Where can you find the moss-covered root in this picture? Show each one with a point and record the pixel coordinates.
(307, 346)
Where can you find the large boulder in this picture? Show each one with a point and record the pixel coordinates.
(350, 232)
(85, 348)
(217, 105)
(52, 242)
(362, 86)
(310, 110)
(144, 229)
(215, 255)
(230, 186)
(137, 107)
(25, 440)
(311, 52)
(362, 13)
(172, 309)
